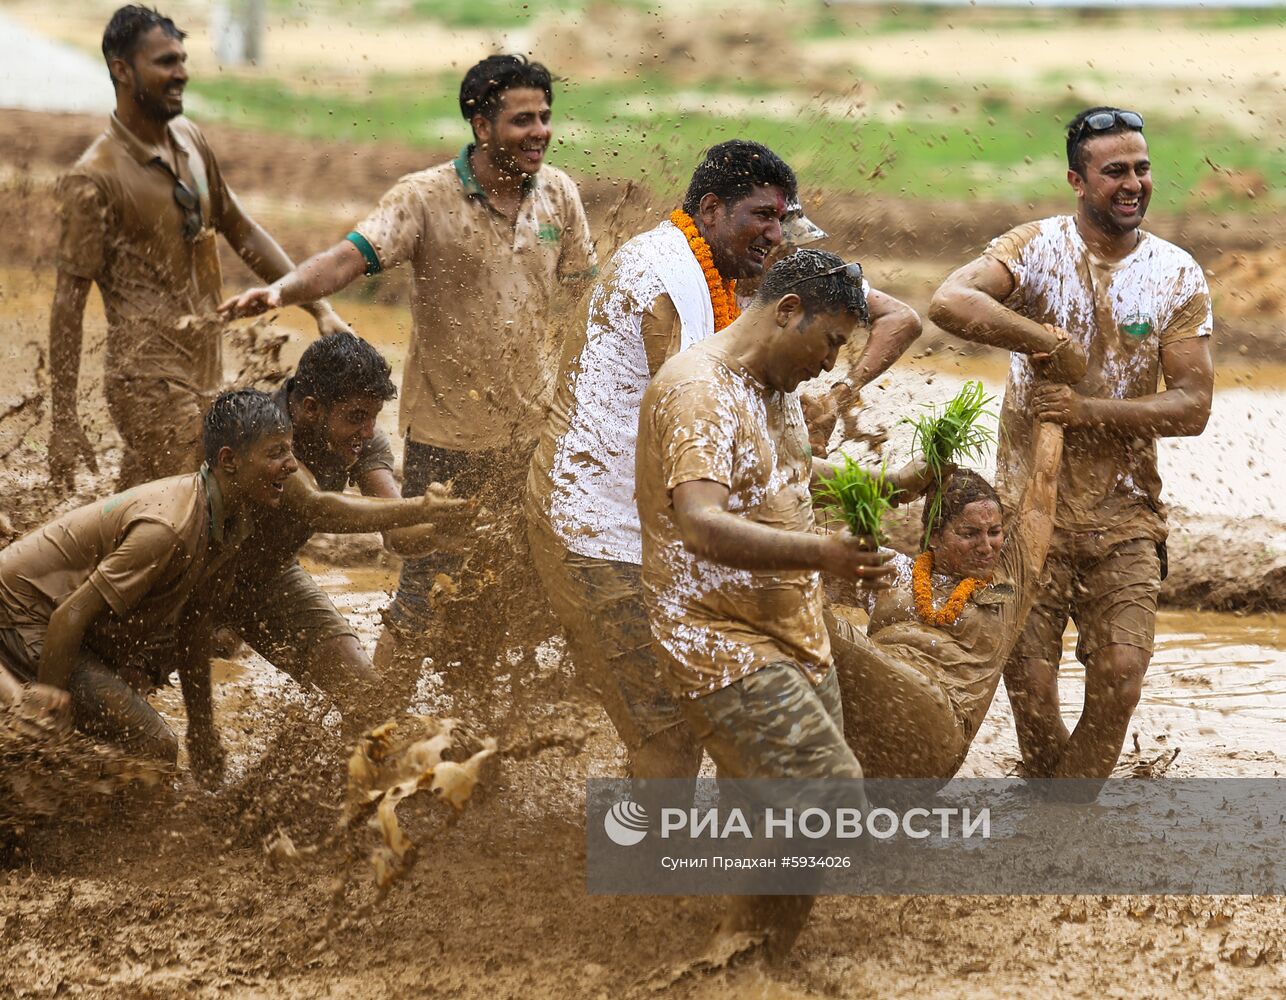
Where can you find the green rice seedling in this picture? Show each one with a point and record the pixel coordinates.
(942, 439)
(857, 497)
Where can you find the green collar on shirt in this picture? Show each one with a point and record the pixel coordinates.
(469, 180)
(214, 503)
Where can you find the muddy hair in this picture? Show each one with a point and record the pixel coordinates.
(126, 29)
(239, 418)
(341, 366)
(486, 82)
(733, 169)
(1078, 135)
(963, 487)
(828, 293)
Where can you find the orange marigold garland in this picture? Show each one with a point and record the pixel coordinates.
(922, 590)
(723, 294)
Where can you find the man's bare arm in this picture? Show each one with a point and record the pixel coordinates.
(322, 510)
(68, 442)
(204, 750)
(320, 275)
(662, 332)
(418, 539)
(265, 257)
(894, 327)
(1180, 410)
(969, 305)
(711, 531)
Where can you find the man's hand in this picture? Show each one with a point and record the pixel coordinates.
(440, 506)
(45, 710)
(1060, 404)
(1066, 363)
(821, 413)
(206, 756)
(329, 321)
(253, 302)
(857, 558)
(68, 446)
(912, 481)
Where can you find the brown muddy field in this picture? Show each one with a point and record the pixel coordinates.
(173, 893)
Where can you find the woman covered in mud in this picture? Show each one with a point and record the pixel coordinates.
(917, 683)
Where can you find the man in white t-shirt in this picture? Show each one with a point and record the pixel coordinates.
(655, 298)
(1137, 308)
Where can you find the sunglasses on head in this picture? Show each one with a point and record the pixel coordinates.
(1102, 121)
(852, 274)
(190, 202)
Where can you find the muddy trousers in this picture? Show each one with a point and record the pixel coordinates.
(102, 704)
(897, 719)
(775, 723)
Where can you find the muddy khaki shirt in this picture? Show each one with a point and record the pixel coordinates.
(279, 533)
(480, 366)
(145, 551)
(1122, 314)
(704, 417)
(123, 229)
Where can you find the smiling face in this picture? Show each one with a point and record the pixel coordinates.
(1114, 192)
(742, 234)
(516, 141)
(261, 468)
(805, 345)
(156, 76)
(969, 544)
(344, 426)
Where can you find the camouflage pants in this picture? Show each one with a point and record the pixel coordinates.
(774, 724)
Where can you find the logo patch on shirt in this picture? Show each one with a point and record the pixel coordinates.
(1137, 325)
(549, 233)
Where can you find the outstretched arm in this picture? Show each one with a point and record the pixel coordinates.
(320, 275)
(969, 305)
(322, 510)
(711, 531)
(265, 257)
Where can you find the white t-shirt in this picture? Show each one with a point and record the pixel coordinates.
(583, 472)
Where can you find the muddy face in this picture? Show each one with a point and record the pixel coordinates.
(1116, 187)
(970, 543)
(344, 427)
(516, 141)
(261, 469)
(156, 76)
(742, 234)
(806, 345)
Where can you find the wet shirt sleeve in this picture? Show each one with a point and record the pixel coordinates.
(392, 232)
(1009, 249)
(577, 259)
(695, 434)
(83, 218)
(141, 563)
(226, 212)
(1194, 318)
(377, 453)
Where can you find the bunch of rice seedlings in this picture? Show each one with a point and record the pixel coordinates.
(942, 439)
(857, 497)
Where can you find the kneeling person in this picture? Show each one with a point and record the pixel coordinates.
(332, 402)
(93, 604)
(731, 562)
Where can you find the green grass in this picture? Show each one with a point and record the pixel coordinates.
(858, 498)
(985, 144)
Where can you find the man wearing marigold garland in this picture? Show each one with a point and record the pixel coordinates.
(1138, 308)
(664, 291)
